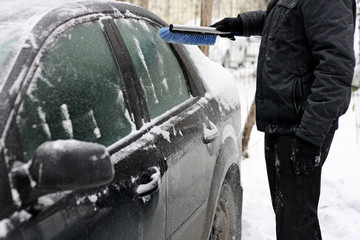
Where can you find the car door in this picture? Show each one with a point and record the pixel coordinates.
(178, 118)
(78, 91)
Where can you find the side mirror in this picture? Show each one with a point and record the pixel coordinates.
(70, 165)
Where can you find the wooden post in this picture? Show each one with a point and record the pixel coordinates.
(206, 15)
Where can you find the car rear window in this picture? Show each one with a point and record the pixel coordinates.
(160, 73)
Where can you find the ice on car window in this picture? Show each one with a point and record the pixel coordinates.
(160, 73)
(76, 93)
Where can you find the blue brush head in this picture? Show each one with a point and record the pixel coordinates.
(186, 38)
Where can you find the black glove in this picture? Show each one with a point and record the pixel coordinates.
(305, 156)
(234, 25)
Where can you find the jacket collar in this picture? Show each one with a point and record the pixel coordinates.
(271, 5)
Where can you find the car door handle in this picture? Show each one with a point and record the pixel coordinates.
(149, 183)
(210, 133)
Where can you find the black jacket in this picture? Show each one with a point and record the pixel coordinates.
(305, 66)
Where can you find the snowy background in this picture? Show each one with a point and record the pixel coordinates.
(339, 208)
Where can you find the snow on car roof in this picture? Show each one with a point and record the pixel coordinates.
(17, 19)
(21, 11)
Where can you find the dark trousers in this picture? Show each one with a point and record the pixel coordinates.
(295, 198)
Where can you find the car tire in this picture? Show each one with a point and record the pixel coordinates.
(227, 218)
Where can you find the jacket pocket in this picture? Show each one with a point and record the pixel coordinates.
(282, 88)
(298, 95)
(284, 25)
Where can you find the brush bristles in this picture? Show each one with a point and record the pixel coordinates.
(186, 38)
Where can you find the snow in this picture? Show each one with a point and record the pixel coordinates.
(6, 224)
(142, 57)
(148, 137)
(17, 18)
(165, 85)
(16, 197)
(155, 181)
(4, 227)
(217, 81)
(130, 14)
(210, 133)
(66, 122)
(93, 198)
(45, 201)
(158, 131)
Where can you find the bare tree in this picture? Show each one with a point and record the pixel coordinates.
(250, 122)
(206, 14)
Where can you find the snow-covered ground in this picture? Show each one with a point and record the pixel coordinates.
(339, 208)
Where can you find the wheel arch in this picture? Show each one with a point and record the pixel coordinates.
(227, 168)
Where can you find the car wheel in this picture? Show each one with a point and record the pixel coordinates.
(225, 219)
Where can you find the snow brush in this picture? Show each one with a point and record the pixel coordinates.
(193, 35)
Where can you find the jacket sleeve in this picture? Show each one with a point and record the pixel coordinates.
(329, 26)
(253, 22)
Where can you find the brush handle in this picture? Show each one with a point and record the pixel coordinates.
(197, 29)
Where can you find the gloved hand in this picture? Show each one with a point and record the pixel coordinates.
(234, 25)
(305, 156)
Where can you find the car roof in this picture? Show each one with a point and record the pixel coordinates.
(17, 19)
(22, 20)
(19, 11)
(25, 25)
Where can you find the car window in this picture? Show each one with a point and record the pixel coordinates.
(160, 73)
(76, 93)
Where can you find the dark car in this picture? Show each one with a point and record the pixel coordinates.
(108, 132)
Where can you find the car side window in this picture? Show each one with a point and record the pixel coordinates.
(76, 93)
(160, 73)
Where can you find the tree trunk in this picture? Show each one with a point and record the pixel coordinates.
(206, 14)
(144, 4)
(250, 121)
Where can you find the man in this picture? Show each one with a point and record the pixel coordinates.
(305, 69)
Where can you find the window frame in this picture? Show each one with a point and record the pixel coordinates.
(193, 80)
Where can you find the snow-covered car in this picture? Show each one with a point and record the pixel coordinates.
(108, 132)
